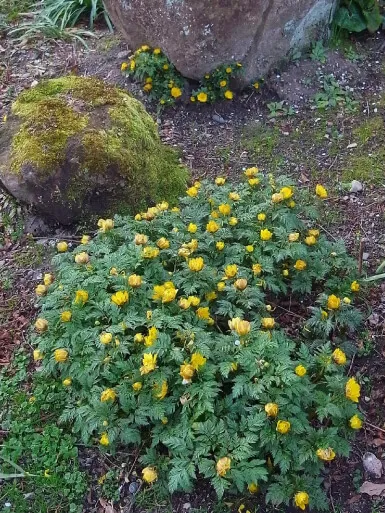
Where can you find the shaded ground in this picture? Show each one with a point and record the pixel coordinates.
(332, 146)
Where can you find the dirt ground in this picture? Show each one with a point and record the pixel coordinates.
(332, 146)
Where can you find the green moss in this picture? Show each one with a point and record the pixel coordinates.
(43, 136)
(369, 129)
(366, 168)
(260, 140)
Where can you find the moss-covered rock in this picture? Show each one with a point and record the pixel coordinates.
(75, 147)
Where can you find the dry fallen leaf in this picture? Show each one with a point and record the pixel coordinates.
(372, 488)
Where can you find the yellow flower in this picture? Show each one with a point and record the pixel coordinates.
(196, 264)
(197, 360)
(229, 70)
(134, 280)
(240, 326)
(124, 66)
(313, 232)
(120, 298)
(321, 191)
(169, 295)
(268, 323)
(271, 409)
(251, 172)
(224, 209)
(220, 180)
(300, 370)
(37, 355)
(352, 390)
(192, 192)
(157, 51)
(300, 265)
(202, 97)
(253, 181)
(266, 234)
(212, 227)
(192, 228)
(355, 422)
(41, 290)
(283, 427)
(339, 356)
(249, 248)
(221, 285)
(291, 204)
(163, 243)
(105, 224)
(261, 217)
(194, 300)
(355, 286)
(293, 237)
(203, 313)
(67, 382)
(60, 355)
(285, 272)
(104, 440)
(256, 85)
(140, 239)
(287, 192)
(149, 474)
(223, 466)
(231, 270)
(233, 221)
(347, 300)
(105, 338)
(137, 386)
(310, 240)
(253, 487)
(82, 258)
(234, 196)
(81, 296)
(176, 92)
(187, 371)
(223, 83)
(277, 197)
(192, 99)
(148, 363)
(150, 339)
(240, 284)
(220, 245)
(48, 279)
(210, 296)
(229, 95)
(326, 454)
(301, 500)
(132, 65)
(41, 325)
(163, 390)
(239, 65)
(166, 67)
(184, 303)
(150, 252)
(324, 315)
(62, 247)
(108, 394)
(334, 302)
(257, 269)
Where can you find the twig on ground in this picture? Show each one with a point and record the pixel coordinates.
(326, 231)
(375, 427)
(360, 257)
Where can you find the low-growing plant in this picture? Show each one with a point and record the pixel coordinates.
(280, 109)
(318, 52)
(358, 15)
(166, 331)
(163, 82)
(332, 95)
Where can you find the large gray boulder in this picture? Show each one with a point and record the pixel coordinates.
(198, 35)
(75, 147)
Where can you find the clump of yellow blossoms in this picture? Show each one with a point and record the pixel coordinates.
(205, 334)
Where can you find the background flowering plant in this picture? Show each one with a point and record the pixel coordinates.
(164, 330)
(163, 82)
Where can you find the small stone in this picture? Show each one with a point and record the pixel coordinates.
(218, 119)
(372, 464)
(133, 487)
(34, 83)
(123, 54)
(356, 186)
(365, 256)
(186, 505)
(352, 145)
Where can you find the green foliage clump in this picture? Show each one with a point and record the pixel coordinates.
(163, 82)
(166, 332)
(358, 15)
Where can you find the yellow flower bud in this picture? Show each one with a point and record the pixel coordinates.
(105, 338)
(300, 265)
(301, 500)
(271, 409)
(62, 247)
(355, 422)
(261, 217)
(240, 284)
(220, 245)
(293, 237)
(65, 316)
(268, 323)
(300, 370)
(137, 386)
(60, 355)
(82, 258)
(233, 221)
(163, 243)
(196, 264)
(326, 454)
(231, 270)
(355, 286)
(221, 285)
(41, 290)
(333, 302)
(339, 356)
(223, 466)
(253, 488)
(192, 228)
(149, 474)
(283, 427)
(37, 355)
(108, 394)
(266, 234)
(67, 382)
(134, 280)
(321, 192)
(48, 279)
(104, 440)
(140, 239)
(41, 325)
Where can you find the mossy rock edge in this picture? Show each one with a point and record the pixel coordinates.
(75, 147)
